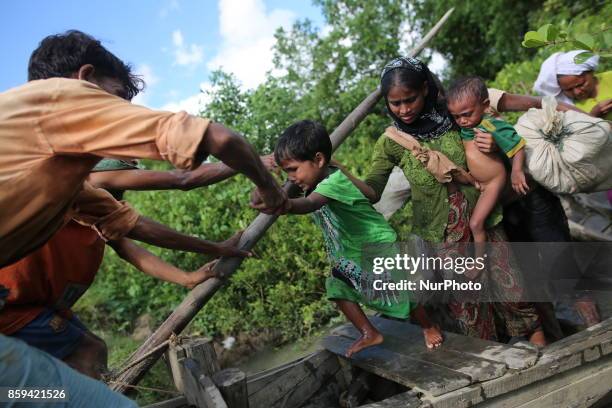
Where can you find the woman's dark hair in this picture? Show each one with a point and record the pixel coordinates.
(301, 141)
(402, 77)
(62, 55)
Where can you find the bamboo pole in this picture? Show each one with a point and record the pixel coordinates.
(198, 297)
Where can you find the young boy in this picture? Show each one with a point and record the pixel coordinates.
(467, 100)
(349, 222)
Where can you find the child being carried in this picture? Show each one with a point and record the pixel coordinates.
(467, 100)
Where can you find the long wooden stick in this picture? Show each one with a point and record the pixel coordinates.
(198, 297)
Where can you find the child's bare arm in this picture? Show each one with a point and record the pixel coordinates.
(518, 178)
(305, 205)
(150, 264)
(365, 189)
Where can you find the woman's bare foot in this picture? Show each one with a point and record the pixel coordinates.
(587, 310)
(433, 337)
(367, 339)
(538, 338)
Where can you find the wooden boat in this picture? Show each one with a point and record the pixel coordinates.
(464, 372)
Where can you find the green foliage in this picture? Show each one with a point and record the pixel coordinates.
(598, 42)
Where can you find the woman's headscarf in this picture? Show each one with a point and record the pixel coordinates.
(561, 63)
(434, 120)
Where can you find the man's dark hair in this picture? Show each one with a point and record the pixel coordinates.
(301, 141)
(62, 55)
(467, 87)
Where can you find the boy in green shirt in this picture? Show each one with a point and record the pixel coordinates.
(468, 99)
(349, 222)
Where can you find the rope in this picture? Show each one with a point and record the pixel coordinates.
(173, 340)
(140, 387)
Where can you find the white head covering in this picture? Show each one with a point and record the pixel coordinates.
(561, 63)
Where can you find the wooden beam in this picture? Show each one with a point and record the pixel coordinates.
(232, 384)
(199, 388)
(200, 349)
(198, 297)
(178, 402)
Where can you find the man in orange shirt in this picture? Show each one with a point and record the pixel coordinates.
(53, 132)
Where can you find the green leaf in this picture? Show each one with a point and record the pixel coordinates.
(582, 57)
(533, 39)
(608, 39)
(585, 41)
(548, 32)
(606, 55)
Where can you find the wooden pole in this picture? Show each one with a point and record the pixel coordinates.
(198, 297)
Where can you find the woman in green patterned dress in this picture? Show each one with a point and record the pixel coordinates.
(441, 209)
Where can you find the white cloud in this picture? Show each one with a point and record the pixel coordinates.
(247, 32)
(147, 74)
(186, 54)
(191, 104)
(169, 7)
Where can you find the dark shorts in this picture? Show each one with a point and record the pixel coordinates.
(53, 333)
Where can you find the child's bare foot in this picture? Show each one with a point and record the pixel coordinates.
(538, 338)
(433, 337)
(367, 339)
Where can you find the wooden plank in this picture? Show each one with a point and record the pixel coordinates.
(231, 382)
(295, 384)
(478, 369)
(513, 357)
(198, 388)
(396, 367)
(462, 398)
(576, 343)
(178, 402)
(408, 399)
(513, 380)
(569, 389)
(198, 348)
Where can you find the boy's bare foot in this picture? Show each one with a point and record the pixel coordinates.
(367, 339)
(433, 337)
(538, 338)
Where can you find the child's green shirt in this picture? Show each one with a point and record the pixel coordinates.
(348, 220)
(503, 133)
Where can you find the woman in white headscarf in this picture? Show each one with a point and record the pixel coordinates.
(560, 76)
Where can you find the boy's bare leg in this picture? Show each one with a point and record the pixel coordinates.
(432, 333)
(91, 356)
(369, 335)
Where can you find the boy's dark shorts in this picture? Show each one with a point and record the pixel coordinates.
(53, 333)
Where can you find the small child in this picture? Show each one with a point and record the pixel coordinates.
(467, 100)
(349, 222)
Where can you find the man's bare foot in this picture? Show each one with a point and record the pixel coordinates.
(367, 339)
(433, 337)
(538, 338)
(587, 310)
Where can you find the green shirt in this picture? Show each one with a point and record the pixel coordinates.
(348, 220)
(430, 205)
(604, 91)
(503, 133)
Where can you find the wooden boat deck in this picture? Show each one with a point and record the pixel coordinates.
(467, 371)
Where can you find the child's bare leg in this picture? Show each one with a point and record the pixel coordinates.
(90, 357)
(369, 335)
(432, 333)
(486, 203)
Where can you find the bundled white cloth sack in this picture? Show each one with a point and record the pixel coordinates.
(567, 152)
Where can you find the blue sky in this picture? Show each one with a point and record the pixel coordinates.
(173, 43)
